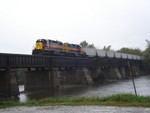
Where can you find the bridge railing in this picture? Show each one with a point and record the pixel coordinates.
(31, 61)
(3, 61)
(22, 61)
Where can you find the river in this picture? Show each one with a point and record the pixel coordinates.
(124, 86)
(142, 84)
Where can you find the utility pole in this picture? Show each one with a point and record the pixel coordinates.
(132, 78)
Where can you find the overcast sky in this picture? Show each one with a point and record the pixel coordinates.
(119, 23)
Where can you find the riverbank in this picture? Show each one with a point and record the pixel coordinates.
(114, 100)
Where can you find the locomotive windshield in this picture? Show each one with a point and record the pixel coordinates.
(41, 40)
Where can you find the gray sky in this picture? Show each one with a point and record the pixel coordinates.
(119, 23)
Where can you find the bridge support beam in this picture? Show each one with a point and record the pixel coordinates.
(8, 84)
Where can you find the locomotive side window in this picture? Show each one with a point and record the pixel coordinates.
(78, 46)
(74, 46)
(60, 43)
(54, 42)
(49, 41)
(43, 41)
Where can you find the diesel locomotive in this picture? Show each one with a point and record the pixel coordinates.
(56, 48)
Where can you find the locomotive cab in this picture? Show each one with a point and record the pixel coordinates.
(40, 44)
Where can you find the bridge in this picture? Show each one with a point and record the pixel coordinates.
(52, 72)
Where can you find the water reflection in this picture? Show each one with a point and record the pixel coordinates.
(25, 96)
(123, 86)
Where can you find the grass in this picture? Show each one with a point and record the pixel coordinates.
(114, 100)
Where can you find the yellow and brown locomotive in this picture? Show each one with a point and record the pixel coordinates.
(51, 47)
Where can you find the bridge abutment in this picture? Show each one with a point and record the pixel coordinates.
(8, 84)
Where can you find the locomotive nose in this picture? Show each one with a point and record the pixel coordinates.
(39, 46)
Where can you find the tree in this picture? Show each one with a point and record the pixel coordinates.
(86, 44)
(107, 48)
(91, 45)
(148, 43)
(146, 55)
(130, 51)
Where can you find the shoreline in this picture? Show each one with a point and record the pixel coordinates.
(128, 100)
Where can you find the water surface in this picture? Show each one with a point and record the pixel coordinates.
(123, 86)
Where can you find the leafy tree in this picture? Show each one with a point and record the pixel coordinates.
(86, 44)
(148, 43)
(146, 54)
(91, 45)
(130, 51)
(108, 48)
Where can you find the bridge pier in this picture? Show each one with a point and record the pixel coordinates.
(97, 74)
(39, 80)
(122, 72)
(53, 79)
(74, 77)
(135, 71)
(88, 77)
(111, 73)
(8, 84)
(117, 72)
(56, 77)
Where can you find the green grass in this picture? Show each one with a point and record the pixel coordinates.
(114, 100)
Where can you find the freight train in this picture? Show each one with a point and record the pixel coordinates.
(57, 48)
